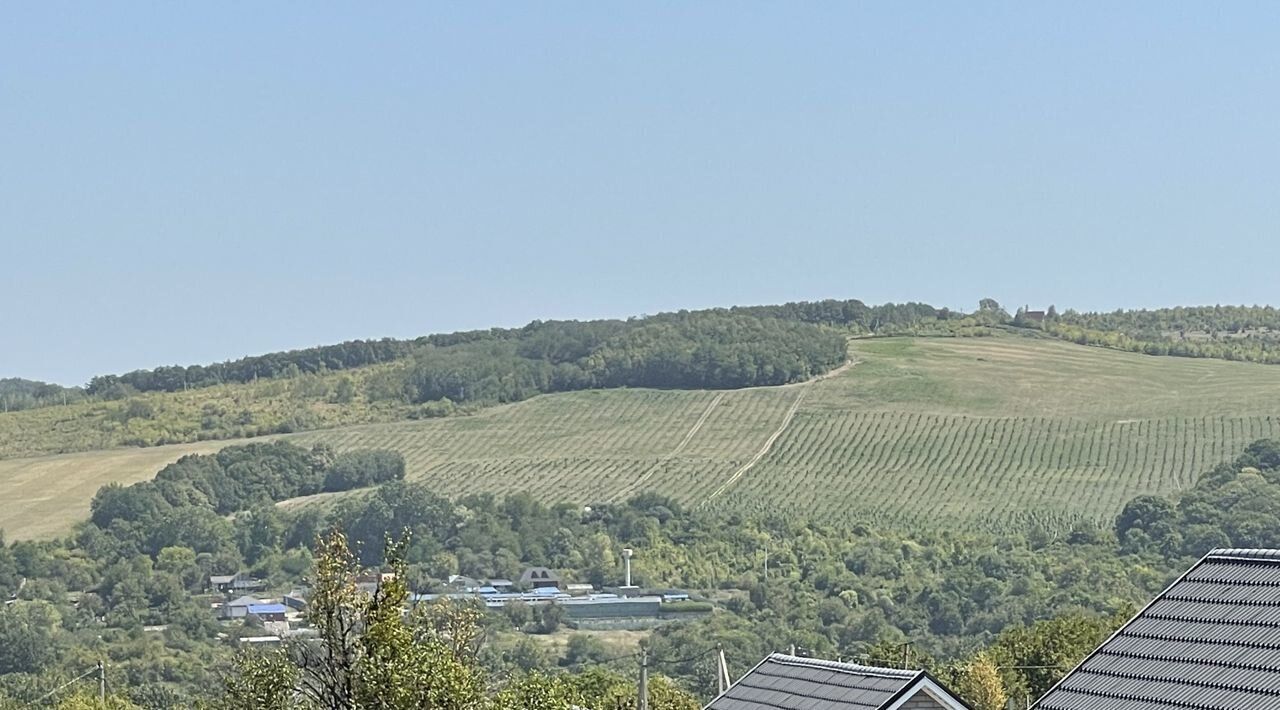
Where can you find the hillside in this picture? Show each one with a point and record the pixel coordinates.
(980, 434)
(227, 411)
(432, 377)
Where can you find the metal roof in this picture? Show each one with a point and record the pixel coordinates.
(782, 682)
(1211, 641)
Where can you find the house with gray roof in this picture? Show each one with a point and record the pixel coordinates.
(1211, 641)
(782, 682)
(237, 608)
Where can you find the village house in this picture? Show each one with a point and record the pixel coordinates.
(782, 682)
(539, 578)
(268, 612)
(1211, 640)
(234, 583)
(237, 608)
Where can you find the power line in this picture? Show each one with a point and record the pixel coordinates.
(64, 686)
(598, 661)
(678, 661)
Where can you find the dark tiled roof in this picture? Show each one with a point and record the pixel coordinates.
(1211, 641)
(783, 682)
(538, 574)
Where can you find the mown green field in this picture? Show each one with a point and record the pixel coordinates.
(982, 433)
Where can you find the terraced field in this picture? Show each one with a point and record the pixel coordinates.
(1003, 433)
(584, 446)
(991, 434)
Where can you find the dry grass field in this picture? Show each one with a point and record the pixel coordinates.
(43, 497)
(983, 433)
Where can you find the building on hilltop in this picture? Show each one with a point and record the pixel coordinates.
(1211, 641)
(782, 682)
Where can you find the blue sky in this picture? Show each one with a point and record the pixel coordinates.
(192, 184)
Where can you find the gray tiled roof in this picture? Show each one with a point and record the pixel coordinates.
(784, 682)
(1211, 641)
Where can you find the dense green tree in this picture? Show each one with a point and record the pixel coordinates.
(980, 684)
(262, 680)
(28, 636)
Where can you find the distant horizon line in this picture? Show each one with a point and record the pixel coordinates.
(1008, 306)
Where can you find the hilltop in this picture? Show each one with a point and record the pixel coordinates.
(992, 433)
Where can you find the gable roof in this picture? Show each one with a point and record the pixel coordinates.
(1211, 640)
(782, 682)
(538, 574)
(268, 609)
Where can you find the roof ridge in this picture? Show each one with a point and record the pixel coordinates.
(842, 667)
(1245, 553)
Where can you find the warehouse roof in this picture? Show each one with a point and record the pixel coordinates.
(1209, 641)
(782, 682)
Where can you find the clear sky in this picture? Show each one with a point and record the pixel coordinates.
(192, 182)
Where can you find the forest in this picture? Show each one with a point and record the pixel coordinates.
(1241, 333)
(17, 394)
(850, 591)
(441, 375)
(710, 348)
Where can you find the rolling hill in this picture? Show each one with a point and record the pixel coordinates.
(962, 433)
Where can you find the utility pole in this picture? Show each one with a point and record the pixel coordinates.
(906, 655)
(722, 672)
(102, 681)
(642, 693)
